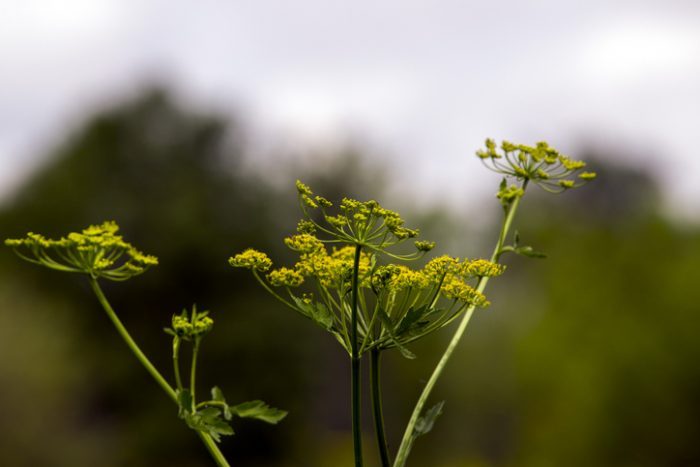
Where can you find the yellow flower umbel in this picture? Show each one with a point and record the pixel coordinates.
(541, 163)
(395, 303)
(363, 223)
(97, 251)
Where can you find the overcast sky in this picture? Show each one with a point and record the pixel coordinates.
(424, 81)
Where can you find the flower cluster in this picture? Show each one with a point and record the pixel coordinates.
(398, 304)
(541, 163)
(251, 259)
(364, 223)
(96, 250)
(191, 326)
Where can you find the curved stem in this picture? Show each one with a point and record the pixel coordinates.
(206, 439)
(408, 436)
(130, 342)
(355, 365)
(377, 408)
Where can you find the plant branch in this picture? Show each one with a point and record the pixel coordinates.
(408, 436)
(206, 439)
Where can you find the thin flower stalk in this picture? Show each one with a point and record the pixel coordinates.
(541, 165)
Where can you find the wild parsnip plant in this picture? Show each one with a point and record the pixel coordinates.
(99, 252)
(362, 291)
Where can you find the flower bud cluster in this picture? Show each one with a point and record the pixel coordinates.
(190, 326)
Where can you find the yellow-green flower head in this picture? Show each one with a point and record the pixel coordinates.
(97, 250)
(363, 223)
(481, 268)
(303, 243)
(285, 277)
(437, 268)
(323, 202)
(456, 289)
(303, 189)
(193, 326)
(306, 227)
(424, 246)
(341, 264)
(566, 184)
(333, 270)
(404, 277)
(251, 259)
(540, 164)
(509, 193)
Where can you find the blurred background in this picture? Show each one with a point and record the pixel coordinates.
(189, 122)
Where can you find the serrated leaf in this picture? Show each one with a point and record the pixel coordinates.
(209, 413)
(219, 426)
(389, 326)
(426, 422)
(529, 252)
(209, 421)
(259, 410)
(317, 311)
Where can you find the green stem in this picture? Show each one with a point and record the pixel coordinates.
(206, 439)
(377, 408)
(407, 440)
(176, 362)
(193, 371)
(213, 450)
(355, 365)
(130, 342)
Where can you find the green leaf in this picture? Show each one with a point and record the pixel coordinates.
(209, 421)
(389, 326)
(529, 252)
(184, 402)
(259, 410)
(423, 425)
(317, 311)
(218, 396)
(209, 414)
(412, 319)
(426, 422)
